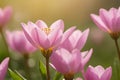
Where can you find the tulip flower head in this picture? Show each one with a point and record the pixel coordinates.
(69, 63)
(108, 21)
(3, 68)
(98, 73)
(74, 39)
(5, 15)
(43, 37)
(18, 42)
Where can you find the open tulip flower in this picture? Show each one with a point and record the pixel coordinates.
(98, 73)
(69, 63)
(43, 37)
(3, 68)
(108, 21)
(18, 42)
(5, 15)
(74, 39)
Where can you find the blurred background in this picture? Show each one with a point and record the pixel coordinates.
(74, 13)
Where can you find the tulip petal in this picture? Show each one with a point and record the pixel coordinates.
(3, 68)
(107, 74)
(97, 20)
(60, 60)
(27, 31)
(68, 33)
(41, 24)
(82, 40)
(86, 57)
(58, 23)
(90, 75)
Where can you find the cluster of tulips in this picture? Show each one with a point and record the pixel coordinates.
(61, 49)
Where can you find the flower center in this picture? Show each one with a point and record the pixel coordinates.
(47, 30)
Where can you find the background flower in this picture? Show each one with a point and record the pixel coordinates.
(5, 15)
(18, 42)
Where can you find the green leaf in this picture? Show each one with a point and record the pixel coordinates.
(58, 76)
(42, 69)
(15, 75)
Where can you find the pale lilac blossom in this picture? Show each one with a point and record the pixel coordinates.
(17, 41)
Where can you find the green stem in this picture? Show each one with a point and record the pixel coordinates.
(117, 46)
(47, 68)
(27, 68)
(7, 49)
(117, 68)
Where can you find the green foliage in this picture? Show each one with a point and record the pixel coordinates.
(42, 69)
(58, 76)
(15, 75)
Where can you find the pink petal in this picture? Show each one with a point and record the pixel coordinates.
(58, 23)
(7, 13)
(90, 75)
(107, 74)
(99, 70)
(75, 64)
(43, 39)
(106, 18)
(3, 68)
(27, 31)
(97, 20)
(86, 57)
(82, 40)
(18, 39)
(60, 59)
(74, 37)
(9, 39)
(41, 24)
(57, 39)
(68, 33)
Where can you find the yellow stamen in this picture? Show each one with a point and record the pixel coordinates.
(47, 30)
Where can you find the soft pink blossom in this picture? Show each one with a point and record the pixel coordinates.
(73, 38)
(5, 15)
(67, 62)
(3, 68)
(98, 73)
(108, 21)
(18, 42)
(42, 36)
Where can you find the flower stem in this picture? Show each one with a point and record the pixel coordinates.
(7, 49)
(27, 68)
(47, 68)
(117, 46)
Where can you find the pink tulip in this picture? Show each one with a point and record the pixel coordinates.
(5, 15)
(18, 42)
(3, 68)
(67, 62)
(98, 73)
(74, 39)
(42, 36)
(108, 21)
